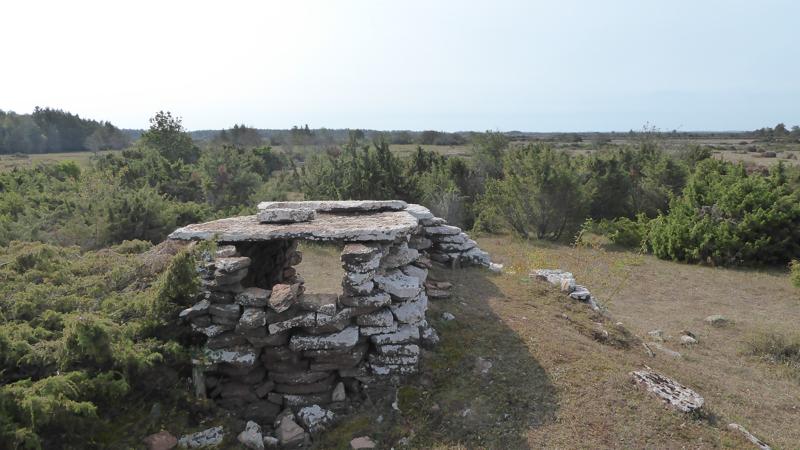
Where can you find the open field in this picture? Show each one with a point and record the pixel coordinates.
(557, 386)
(9, 162)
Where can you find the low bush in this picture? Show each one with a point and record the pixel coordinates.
(777, 348)
(795, 272)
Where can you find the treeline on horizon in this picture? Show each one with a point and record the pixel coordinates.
(49, 130)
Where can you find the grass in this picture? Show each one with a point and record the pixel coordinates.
(557, 381)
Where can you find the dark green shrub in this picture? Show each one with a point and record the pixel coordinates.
(623, 231)
(795, 268)
(728, 217)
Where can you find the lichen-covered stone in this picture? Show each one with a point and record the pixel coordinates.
(342, 339)
(252, 318)
(398, 350)
(253, 296)
(370, 331)
(315, 419)
(412, 311)
(321, 303)
(399, 255)
(283, 296)
(202, 439)
(286, 215)
(307, 319)
(380, 318)
(343, 206)
(399, 285)
(442, 229)
(229, 311)
(235, 356)
(232, 264)
(404, 334)
(376, 300)
(197, 309)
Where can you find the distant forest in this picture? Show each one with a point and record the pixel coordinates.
(49, 130)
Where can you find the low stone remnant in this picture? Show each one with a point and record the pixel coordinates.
(566, 282)
(717, 320)
(362, 443)
(668, 390)
(163, 440)
(251, 437)
(202, 439)
(271, 347)
(749, 436)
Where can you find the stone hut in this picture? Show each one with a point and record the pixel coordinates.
(269, 345)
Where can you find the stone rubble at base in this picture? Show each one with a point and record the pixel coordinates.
(271, 346)
(566, 282)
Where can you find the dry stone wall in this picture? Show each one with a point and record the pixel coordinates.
(269, 345)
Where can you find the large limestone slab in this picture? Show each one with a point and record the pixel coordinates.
(379, 226)
(670, 391)
(286, 215)
(350, 206)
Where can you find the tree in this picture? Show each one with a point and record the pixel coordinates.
(167, 135)
(540, 194)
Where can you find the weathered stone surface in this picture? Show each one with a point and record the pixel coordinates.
(283, 296)
(202, 439)
(321, 303)
(307, 319)
(399, 255)
(416, 272)
(337, 322)
(211, 330)
(261, 411)
(419, 211)
(339, 394)
(198, 309)
(324, 385)
(224, 321)
(298, 377)
(236, 356)
(201, 321)
(315, 419)
(380, 318)
(404, 334)
(688, 340)
(253, 296)
(232, 264)
(420, 243)
(218, 297)
(224, 278)
(286, 215)
(362, 443)
(163, 440)
(226, 251)
(398, 350)
(462, 247)
(412, 311)
(442, 229)
(226, 339)
(476, 256)
(214, 285)
(381, 226)
(264, 389)
(359, 289)
(376, 300)
(361, 258)
(353, 278)
(225, 311)
(399, 285)
(294, 400)
(446, 316)
(717, 320)
(392, 360)
(370, 331)
(272, 340)
(343, 339)
(459, 238)
(391, 369)
(340, 206)
(251, 437)
(580, 293)
(289, 433)
(668, 390)
(761, 445)
(252, 318)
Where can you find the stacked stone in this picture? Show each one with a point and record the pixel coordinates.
(235, 321)
(444, 243)
(384, 285)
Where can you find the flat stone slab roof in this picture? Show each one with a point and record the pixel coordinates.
(375, 226)
(337, 206)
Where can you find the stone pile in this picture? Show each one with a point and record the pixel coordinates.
(445, 243)
(566, 282)
(269, 345)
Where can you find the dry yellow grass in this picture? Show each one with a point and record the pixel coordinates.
(554, 385)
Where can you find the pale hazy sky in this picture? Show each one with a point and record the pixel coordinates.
(447, 65)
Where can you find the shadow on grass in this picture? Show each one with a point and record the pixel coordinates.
(479, 388)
